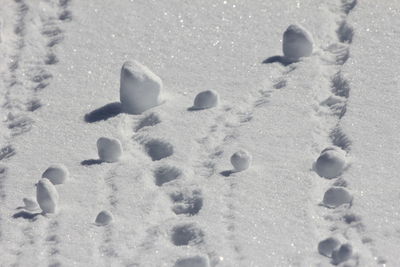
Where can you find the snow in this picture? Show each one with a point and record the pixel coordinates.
(57, 174)
(206, 99)
(30, 204)
(328, 245)
(109, 149)
(140, 88)
(241, 160)
(46, 196)
(174, 198)
(104, 218)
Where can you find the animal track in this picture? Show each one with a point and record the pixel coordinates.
(340, 139)
(345, 33)
(7, 152)
(194, 261)
(340, 86)
(158, 149)
(186, 234)
(187, 202)
(150, 120)
(165, 174)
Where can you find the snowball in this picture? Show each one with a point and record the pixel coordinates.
(57, 174)
(206, 99)
(342, 254)
(109, 149)
(241, 160)
(331, 162)
(195, 261)
(30, 204)
(327, 246)
(46, 196)
(140, 88)
(336, 196)
(104, 218)
(297, 43)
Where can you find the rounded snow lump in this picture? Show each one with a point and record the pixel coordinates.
(30, 204)
(109, 149)
(331, 163)
(46, 196)
(206, 99)
(336, 196)
(57, 174)
(342, 254)
(140, 88)
(104, 218)
(241, 160)
(297, 42)
(327, 246)
(195, 261)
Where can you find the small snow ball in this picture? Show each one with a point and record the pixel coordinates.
(195, 261)
(140, 88)
(57, 174)
(206, 99)
(327, 246)
(30, 204)
(297, 43)
(336, 196)
(46, 196)
(331, 163)
(104, 218)
(241, 160)
(109, 149)
(342, 254)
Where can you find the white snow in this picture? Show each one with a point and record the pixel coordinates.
(331, 162)
(140, 88)
(342, 254)
(46, 196)
(336, 196)
(195, 261)
(30, 204)
(241, 160)
(57, 174)
(297, 43)
(328, 245)
(109, 149)
(206, 99)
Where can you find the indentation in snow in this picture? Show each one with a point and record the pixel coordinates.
(194, 261)
(336, 196)
(104, 217)
(331, 162)
(327, 246)
(342, 254)
(186, 234)
(165, 174)
(149, 120)
(187, 202)
(158, 149)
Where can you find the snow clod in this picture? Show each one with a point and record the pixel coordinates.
(241, 160)
(109, 149)
(331, 162)
(328, 245)
(336, 196)
(140, 88)
(206, 99)
(30, 204)
(104, 217)
(297, 43)
(342, 254)
(46, 196)
(57, 174)
(195, 261)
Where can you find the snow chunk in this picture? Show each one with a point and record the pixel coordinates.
(336, 196)
(57, 174)
(342, 254)
(328, 245)
(140, 88)
(109, 149)
(331, 162)
(46, 196)
(241, 160)
(30, 204)
(297, 43)
(195, 261)
(206, 99)
(104, 217)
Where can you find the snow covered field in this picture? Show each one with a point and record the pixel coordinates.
(210, 147)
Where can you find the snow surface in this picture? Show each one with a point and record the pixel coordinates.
(173, 196)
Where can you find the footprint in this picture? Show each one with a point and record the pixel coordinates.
(41, 76)
(6, 152)
(33, 105)
(186, 234)
(66, 15)
(194, 261)
(340, 85)
(187, 202)
(340, 139)
(165, 174)
(351, 218)
(51, 59)
(345, 32)
(158, 149)
(19, 125)
(348, 5)
(150, 120)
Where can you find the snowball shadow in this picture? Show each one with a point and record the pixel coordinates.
(278, 59)
(104, 113)
(26, 215)
(89, 162)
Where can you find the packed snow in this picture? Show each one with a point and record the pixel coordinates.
(236, 133)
